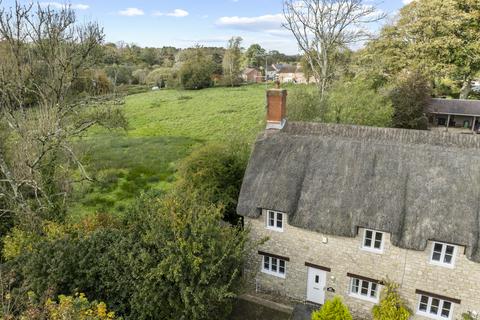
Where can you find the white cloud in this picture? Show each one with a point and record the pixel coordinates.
(58, 5)
(131, 12)
(178, 13)
(265, 22)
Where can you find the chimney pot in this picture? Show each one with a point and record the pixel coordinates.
(276, 108)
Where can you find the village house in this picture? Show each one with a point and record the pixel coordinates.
(252, 75)
(347, 207)
(458, 115)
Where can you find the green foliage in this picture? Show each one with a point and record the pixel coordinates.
(354, 102)
(410, 97)
(215, 172)
(196, 262)
(255, 56)
(196, 70)
(160, 77)
(77, 308)
(332, 310)
(391, 306)
(304, 104)
(470, 316)
(232, 62)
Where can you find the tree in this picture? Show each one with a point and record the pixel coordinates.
(40, 114)
(410, 97)
(391, 306)
(255, 56)
(332, 310)
(322, 27)
(196, 69)
(439, 37)
(232, 62)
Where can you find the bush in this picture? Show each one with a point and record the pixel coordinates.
(196, 71)
(354, 102)
(391, 306)
(215, 172)
(333, 310)
(410, 97)
(77, 308)
(304, 103)
(161, 77)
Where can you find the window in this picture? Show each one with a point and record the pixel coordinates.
(372, 240)
(274, 266)
(363, 289)
(274, 220)
(443, 254)
(434, 308)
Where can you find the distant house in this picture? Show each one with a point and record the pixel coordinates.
(455, 114)
(252, 75)
(288, 73)
(271, 73)
(345, 208)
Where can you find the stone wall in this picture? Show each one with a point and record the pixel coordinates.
(411, 269)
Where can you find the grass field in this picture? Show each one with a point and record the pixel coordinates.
(164, 127)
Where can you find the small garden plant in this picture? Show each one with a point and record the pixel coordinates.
(333, 309)
(391, 306)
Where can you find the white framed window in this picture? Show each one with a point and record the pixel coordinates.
(443, 254)
(275, 220)
(274, 266)
(365, 290)
(434, 308)
(373, 240)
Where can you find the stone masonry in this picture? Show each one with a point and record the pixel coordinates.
(411, 269)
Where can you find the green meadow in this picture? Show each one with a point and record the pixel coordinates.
(164, 127)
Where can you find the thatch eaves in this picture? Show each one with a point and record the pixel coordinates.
(416, 185)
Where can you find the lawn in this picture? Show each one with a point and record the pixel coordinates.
(164, 127)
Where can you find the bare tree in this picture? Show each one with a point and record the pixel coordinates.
(43, 53)
(323, 27)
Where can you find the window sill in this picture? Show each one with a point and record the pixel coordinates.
(359, 296)
(431, 316)
(371, 250)
(275, 274)
(274, 229)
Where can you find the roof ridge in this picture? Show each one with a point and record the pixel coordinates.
(402, 136)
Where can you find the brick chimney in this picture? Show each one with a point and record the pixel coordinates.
(276, 108)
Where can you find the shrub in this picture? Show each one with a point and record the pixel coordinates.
(355, 102)
(215, 173)
(77, 308)
(391, 306)
(160, 77)
(304, 104)
(333, 310)
(410, 97)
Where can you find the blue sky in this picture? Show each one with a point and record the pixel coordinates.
(184, 23)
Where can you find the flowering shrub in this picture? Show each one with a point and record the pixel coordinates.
(77, 308)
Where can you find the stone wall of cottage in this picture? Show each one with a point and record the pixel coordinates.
(411, 269)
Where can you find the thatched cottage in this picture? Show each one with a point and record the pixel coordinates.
(347, 207)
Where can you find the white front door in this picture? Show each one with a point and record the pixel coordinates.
(316, 283)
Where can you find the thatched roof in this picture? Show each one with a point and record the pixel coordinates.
(416, 185)
(455, 107)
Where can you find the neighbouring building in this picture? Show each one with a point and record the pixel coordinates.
(347, 207)
(252, 75)
(457, 115)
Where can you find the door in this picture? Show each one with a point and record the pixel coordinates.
(316, 283)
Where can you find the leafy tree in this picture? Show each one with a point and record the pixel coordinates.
(333, 310)
(354, 102)
(215, 172)
(410, 97)
(391, 306)
(232, 62)
(441, 37)
(160, 77)
(196, 69)
(255, 56)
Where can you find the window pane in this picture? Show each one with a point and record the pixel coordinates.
(434, 306)
(355, 285)
(423, 303)
(274, 264)
(446, 309)
(368, 234)
(447, 259)
(279, 223)
(378, 236)
(436, 256)
(281, 266)
(364, 288)
(449, 250)
(438, 247)
(266, 263)
(373, 292)
(378, 244)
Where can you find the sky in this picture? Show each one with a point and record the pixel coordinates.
(185, 23)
